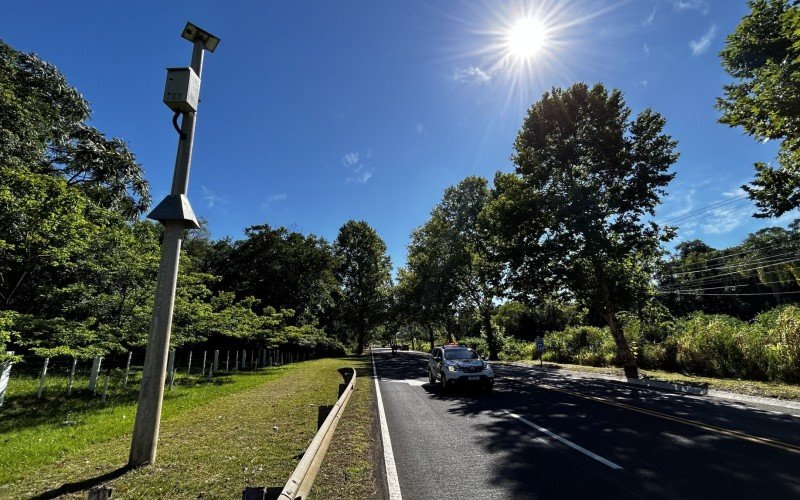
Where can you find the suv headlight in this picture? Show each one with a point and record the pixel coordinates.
(452, 368)
(487, 367)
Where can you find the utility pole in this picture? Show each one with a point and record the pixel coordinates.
(181, 94)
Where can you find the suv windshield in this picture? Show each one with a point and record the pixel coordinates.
(460, 354)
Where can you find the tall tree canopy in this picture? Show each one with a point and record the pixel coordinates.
(364, 272)
(587, 177)
(283, 269)
(450, 255)
(763, 55)
(43, 129)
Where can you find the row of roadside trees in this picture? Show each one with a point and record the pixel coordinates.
(78, 262)
(573, 227)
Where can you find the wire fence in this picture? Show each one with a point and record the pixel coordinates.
(106, 377)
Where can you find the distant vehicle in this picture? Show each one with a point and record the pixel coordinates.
(453, 364)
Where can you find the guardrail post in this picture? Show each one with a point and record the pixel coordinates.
(254, 493)
(324, 410)
(100, 493)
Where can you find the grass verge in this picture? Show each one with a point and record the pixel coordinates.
(747, 387)
(349, 468)
(216, 438)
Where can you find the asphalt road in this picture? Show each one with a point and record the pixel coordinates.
(543, 435)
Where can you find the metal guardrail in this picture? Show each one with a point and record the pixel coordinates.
(301, 480)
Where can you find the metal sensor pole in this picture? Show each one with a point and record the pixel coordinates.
(175, 213)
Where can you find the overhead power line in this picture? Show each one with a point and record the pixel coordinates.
(707, 208)
(760, 260)
(743, 252)
(732, 294)
(727, 286)
(716, 276)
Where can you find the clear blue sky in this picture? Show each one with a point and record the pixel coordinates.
(314, 113)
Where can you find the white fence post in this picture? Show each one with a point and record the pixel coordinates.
(227, 359)
(244, 359)
(105, 384)
(127, 368)
(236, 364)
(189, 370)
(216, 360)
(93, 375)
(203, 371)
(5, 374)
(71, 376)
(171, 368)
(44, 376)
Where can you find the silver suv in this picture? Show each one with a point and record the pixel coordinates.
(451, 364)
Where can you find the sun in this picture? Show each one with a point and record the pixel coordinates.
(527, 38)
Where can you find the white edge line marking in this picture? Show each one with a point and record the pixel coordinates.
(565, 441)
(388, 455)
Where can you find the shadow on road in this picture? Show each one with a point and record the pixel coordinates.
(659, 455)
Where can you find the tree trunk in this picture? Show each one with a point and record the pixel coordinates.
(491, 338)
(430, 335)
(623, 349)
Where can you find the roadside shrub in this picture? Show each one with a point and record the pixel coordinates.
(782, 352)
(580, 344)
(710, 344)
(514, 349)
(476, 343)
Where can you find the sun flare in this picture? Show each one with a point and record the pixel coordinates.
(527, 38)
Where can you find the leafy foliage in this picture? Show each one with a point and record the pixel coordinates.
(572, 219)
(364, 271)
(763, 55)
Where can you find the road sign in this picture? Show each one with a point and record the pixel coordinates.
(540, 344)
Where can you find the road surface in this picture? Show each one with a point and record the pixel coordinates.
(544, 435)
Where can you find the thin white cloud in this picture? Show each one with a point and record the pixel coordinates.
(419, 128)
(724, 220)
(701, 6)
(358, 171)
(472, 74)
(651, 18)
(360, 175)
(735, 193)
(646, 49)
(211, 199)
(687, 205)
(272, 199)
(351, 159)
(702, 44)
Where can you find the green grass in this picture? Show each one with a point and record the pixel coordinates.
(747, 387)
(216, 437)
(349, 469)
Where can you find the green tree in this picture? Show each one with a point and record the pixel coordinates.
(43, 129)
(283, 269)
(587, 177)
(763, 55)
(364, 271)
(456, 242)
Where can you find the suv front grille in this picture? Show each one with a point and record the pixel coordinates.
(471, 369)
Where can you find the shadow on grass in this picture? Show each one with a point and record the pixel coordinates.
(27, 411)
(85, 484)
